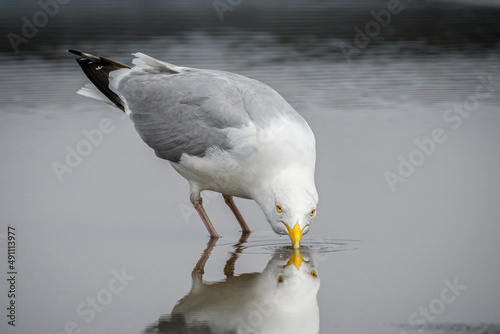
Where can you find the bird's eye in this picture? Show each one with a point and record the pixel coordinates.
(314, 273)
(279, 209)
(312, 213)
(280, 279)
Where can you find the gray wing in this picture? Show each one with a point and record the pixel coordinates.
(184, 112)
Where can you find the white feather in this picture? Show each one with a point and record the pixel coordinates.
(89, 90)
(145, 62)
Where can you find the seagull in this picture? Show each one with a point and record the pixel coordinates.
(221, 131)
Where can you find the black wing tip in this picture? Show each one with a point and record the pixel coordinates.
(78, 53)
(97, 70)
(90, 57)
(96, 59)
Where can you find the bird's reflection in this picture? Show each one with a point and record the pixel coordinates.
(280, 299)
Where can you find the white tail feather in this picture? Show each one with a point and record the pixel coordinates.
(146, 62)
(89, 90)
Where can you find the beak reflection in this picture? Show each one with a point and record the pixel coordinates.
(295, 258)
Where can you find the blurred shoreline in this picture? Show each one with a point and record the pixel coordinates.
(419, 26)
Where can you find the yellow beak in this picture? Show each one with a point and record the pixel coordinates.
(295, 234)
(295, 258)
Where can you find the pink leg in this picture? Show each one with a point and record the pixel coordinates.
(197, 203)
(229, 201)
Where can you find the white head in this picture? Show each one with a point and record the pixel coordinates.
(290, 204)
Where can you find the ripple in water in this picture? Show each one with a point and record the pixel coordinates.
(270, 244)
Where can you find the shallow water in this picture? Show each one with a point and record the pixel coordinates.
(111, 246)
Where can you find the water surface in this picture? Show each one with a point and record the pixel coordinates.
(110, 246)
